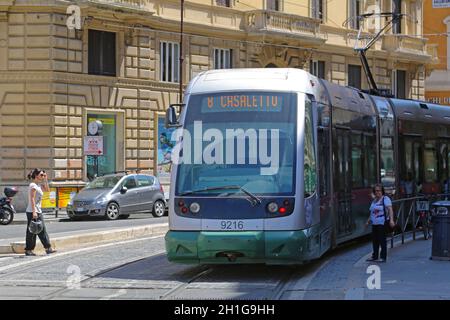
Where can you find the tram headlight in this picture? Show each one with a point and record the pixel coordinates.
(194, 207)
(272, 207)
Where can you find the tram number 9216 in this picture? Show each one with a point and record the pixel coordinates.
(232, 225)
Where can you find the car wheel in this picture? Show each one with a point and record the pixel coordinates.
(112, 211)
(158, 208)
(73, 218)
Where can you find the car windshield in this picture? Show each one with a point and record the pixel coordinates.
(103, 182)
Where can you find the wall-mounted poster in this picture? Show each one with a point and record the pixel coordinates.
(49, 199)
(165, 147)
(441, 3)
(66, 194)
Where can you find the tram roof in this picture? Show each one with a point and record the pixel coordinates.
(264, 79)
(415, 110)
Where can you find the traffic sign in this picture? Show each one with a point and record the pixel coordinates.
(93, 146)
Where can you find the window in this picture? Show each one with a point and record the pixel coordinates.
(144, 181)
(370, 167)
(397, 8)
(273, 5)
(413, 14)
(399, 83)
(357, 163)
(430, 161)
(106, 163)
(317, 9)
(129, 183)
(224, 3)
(363, 160)
(355, 8)
(354, 76)
(223, 58)
(309, 169)
(170, 59)
(317, 68)
(102, 53)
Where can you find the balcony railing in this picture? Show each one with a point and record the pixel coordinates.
(124, 3)
(263, 21)
(404, 44)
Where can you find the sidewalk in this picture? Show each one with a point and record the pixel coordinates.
(408, 274)
(67, 235)
(21, 217)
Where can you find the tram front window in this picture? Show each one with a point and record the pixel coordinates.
(245, 139)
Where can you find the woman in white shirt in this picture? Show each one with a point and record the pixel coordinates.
(36, 189)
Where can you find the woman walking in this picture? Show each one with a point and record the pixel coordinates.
(380, 212)
(36, 189)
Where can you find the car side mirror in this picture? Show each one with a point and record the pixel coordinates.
(123, 190)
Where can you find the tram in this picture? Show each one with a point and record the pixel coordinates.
(275, 166)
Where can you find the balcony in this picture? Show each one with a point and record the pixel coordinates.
(406, 47)
(288, 25)
(432, 50)
(135, 4)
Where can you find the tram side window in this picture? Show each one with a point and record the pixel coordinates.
(412, 164)
(363, 161)
(357, 163)
(309, 170)
(324, 161)
(369, 172)
(430, 161)
(387, 162)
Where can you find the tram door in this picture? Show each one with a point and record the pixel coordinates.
(343, 182)
(444, 165)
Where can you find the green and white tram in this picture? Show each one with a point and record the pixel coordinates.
(275, 166)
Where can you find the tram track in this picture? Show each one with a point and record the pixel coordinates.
(97, 273)
(182, 286)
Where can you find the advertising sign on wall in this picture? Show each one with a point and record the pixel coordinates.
(165, 146)
(49, 199)
(64, 195)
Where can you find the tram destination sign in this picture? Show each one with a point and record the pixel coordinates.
(228, 102)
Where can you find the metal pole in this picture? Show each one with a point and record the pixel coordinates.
(414, 219)
(181, 52)
(403, 227)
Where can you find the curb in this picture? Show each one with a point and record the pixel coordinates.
(77, 241)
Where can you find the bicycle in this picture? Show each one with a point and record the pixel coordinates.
(424, 218)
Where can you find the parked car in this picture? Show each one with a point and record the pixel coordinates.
(118, 195)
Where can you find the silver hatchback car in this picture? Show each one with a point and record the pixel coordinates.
(118, 195)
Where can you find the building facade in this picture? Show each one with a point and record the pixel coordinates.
(437, 28)
(120, 68)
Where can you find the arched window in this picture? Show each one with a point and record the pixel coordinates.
(271, 65)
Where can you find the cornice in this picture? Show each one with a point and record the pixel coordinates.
(25, 76)
(114, 81)
(85, 79)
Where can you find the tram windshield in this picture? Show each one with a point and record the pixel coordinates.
(245, 139)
